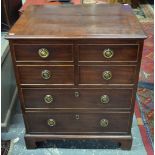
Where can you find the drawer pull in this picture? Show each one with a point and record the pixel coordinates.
(107, 75)
(43, 53)
(77, 94)
(105, 99)
(48, 98)
(46, 74)
(104, 123)
(51, 122)
(77, 117)
(108, 53)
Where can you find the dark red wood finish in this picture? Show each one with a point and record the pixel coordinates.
(122, 52)
(57, 52)
(85, 21)
(120, 74)
(86, 123)
(63, 75)
(66, 98)
(76, 37)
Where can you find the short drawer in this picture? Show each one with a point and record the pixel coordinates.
(108, 52)
(39, 122)
(107, 74)
(43, 52)
(77, 98)
(46, 75)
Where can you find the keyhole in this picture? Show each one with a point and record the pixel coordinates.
(77, 94)
(77, 117)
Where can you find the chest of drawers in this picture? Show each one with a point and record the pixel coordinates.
(77, 71)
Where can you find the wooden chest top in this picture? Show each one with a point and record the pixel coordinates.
(81, 21)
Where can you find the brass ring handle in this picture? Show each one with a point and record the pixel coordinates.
(105, 99)
(46, 74)
(51, 122)
(104, 123)
(48, 98)
(107, 75)
(108, 53)
(43, 53)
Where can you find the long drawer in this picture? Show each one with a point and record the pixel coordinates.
(107, 74)
(108, 52)
(43, 52)
(77, 98)
(46, 74)
(39, 122)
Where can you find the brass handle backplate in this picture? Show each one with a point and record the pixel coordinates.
(104, 123)
(43, 53)
(108, 53)
(107, 75)
(51, 122)
(46, 74)
(105, 99)
(48, 98)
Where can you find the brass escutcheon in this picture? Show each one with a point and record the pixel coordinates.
(77, 117)
(77, 94)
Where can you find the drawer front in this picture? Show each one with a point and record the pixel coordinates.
(43, 52)
(108, 52)
(107, 74)
(77, 98)
(46, 75)
(77, 122)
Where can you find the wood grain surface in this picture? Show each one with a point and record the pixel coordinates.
(80, 21)
(87, 99)
(87, 122)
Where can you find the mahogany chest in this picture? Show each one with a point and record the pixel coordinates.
(77, 70)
